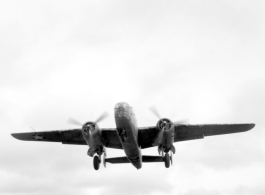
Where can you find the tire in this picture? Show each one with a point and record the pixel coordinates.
(96, 162)
(167, 160)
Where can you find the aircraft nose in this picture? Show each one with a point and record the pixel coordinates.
(121, 110)
(121, 105)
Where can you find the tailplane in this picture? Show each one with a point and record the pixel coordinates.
(145, 159)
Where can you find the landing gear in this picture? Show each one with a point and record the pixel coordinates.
(104, 157)
(171, 158)
(97, 158)
(167, 160)
(96, 162)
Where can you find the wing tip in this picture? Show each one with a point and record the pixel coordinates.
(246, 127)
(251, 126)
(22, 136)
(16, 136)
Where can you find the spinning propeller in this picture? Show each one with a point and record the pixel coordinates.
(156, 113)
(163, 124)
(76, 122)
(90, 132)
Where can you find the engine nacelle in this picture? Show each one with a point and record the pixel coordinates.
(167, 141)
(92, 135)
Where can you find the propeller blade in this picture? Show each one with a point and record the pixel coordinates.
(74, 122)
(103, 116)
(181, 122)
(155, 112)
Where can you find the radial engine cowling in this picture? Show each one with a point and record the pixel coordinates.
(165, 124)
(92, 135)
(166, 130)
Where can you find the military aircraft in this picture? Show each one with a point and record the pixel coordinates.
(131, 138)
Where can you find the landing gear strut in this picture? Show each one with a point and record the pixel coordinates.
(104, 157)
(96, 162)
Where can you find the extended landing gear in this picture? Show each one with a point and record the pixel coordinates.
(168, 159)
(97, 159)
(96, 162)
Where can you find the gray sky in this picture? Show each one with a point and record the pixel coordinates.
(201, 60)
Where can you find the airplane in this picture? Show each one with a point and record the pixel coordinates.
(131, 138)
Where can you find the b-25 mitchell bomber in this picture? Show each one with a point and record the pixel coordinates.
(131, 138)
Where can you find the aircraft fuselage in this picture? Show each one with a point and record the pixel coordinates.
(127, 131)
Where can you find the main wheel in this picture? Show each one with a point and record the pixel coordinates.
(96, 162)
(167, 160)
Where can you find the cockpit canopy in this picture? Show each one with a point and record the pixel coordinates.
(121, 105)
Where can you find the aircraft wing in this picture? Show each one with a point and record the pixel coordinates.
(71, 136)
(147, 135)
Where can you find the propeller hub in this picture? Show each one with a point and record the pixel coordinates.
(164, 124)
(89, 127)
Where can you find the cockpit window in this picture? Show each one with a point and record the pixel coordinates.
(121, 105)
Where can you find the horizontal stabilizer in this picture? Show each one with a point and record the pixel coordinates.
(148, 159)
(117, 160)
(145, 159)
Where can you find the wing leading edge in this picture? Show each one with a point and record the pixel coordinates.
(64, 136)
(71, 136)
(147, 135)
(190, 132)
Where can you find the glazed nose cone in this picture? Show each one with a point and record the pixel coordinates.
(121, 105)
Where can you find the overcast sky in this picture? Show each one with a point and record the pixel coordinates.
(201, 60)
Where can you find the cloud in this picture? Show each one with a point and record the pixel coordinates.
(198, 60)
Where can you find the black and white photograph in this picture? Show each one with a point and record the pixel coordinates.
(132, 97)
